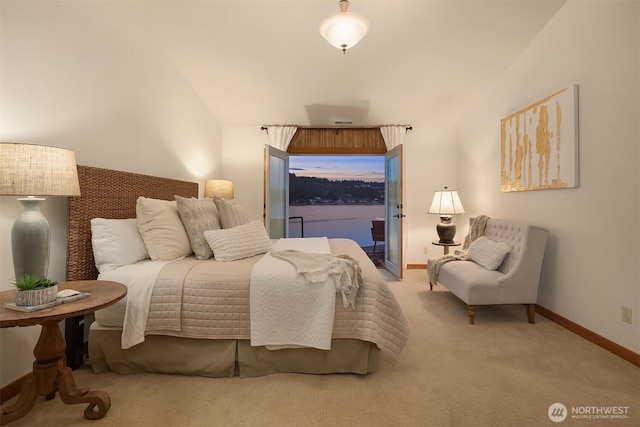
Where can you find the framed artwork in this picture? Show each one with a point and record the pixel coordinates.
(539, 144)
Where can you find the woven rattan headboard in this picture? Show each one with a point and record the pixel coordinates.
(109, 194)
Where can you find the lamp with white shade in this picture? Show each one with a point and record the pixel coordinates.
(219, 188)
(344, 29)
(446, 203)
(33, 171)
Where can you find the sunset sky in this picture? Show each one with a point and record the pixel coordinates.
(365, 168)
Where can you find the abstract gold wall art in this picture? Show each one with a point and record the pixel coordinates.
(539, 144)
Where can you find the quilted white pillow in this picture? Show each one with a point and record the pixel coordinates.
(239, 242)
(488, 253)
(116, 242)
(161, 229)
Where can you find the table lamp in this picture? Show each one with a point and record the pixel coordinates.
(35, 170)
(446, 203)
(219, 188)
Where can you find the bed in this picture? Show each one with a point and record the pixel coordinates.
(184, 334)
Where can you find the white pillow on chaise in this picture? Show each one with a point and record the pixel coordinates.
(488, 253)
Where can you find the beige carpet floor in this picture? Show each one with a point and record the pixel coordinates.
(501, 371)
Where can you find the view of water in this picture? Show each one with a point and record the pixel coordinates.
(349, 221)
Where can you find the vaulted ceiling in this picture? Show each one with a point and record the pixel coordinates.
(264, 61)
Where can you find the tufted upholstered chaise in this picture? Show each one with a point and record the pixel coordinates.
(515, 281)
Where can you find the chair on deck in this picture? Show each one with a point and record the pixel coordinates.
(377, 231)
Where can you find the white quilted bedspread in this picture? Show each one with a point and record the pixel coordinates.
(210, 299)
(285, 309)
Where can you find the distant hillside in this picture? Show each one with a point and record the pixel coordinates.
(309, 190)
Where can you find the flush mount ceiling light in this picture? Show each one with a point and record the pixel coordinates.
(344, 29)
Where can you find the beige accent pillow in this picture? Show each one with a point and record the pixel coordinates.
(231, 214)
(161, 229)
(488, 253)
(198, 216)
(239, 242)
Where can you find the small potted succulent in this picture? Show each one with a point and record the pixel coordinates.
(33, 290)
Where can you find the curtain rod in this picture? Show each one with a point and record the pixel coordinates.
(266, 127)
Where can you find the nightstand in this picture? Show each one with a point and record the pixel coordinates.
(50, 375)
(445, 245)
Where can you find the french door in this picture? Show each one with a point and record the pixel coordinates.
(276, 202)
(276, 192)
(393, 211)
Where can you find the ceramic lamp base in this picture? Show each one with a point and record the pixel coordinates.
(30, 240)
(446, 230)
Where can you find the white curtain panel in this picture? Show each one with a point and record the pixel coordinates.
(280, 136)
(393, 135)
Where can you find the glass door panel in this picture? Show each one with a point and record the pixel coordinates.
(276, 192)
(393, 211)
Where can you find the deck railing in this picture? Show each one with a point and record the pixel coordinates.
(301, 224)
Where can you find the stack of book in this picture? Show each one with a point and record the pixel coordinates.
(61, 299)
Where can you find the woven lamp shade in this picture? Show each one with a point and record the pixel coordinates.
(219, 188)
(37, 170)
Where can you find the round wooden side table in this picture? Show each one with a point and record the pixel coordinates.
(50, 373)
(445, 245)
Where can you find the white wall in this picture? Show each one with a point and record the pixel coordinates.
(243, 158)
(591, 265)
(81, 75)
(430, 164)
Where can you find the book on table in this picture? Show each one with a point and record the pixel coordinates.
(58, 301)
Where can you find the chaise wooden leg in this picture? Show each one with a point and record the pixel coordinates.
(531, 313)
(472, 313)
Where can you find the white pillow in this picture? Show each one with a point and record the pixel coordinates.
(116, 242)
(161, 229)
(488, 253)
(239, 242)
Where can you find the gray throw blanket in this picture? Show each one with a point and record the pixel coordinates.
(477, 230)
(316, 268)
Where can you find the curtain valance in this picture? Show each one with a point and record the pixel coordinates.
(280, 136)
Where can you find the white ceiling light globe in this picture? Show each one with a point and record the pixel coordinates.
(344, 29)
